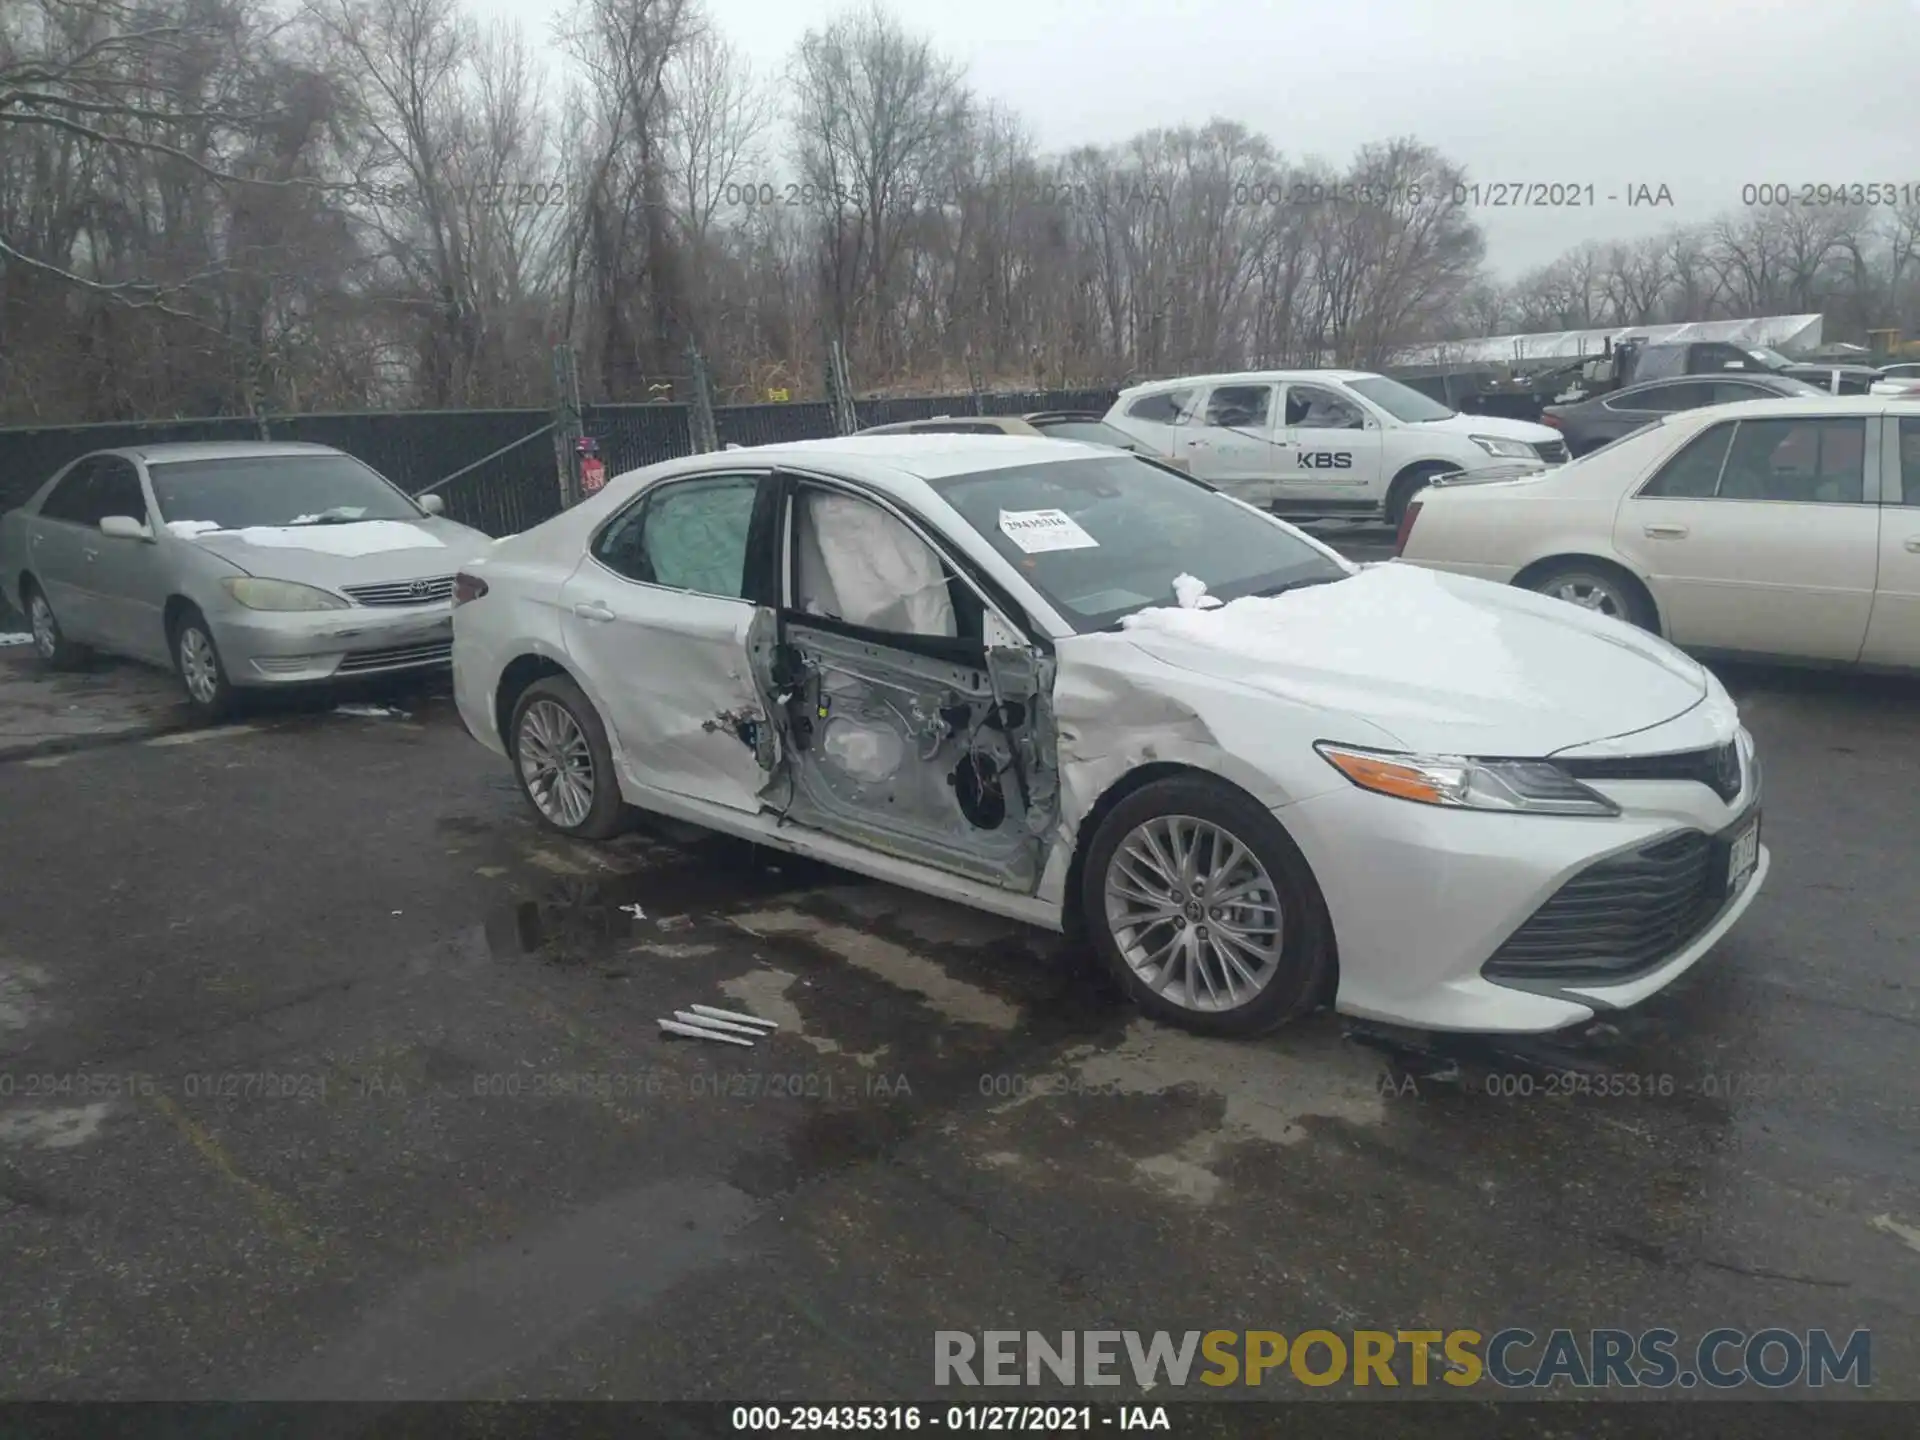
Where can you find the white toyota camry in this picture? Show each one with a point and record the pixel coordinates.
(1076, 688)
(1775, 529)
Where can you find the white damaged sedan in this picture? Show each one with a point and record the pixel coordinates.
(1078, 689)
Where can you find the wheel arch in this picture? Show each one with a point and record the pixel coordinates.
(520, 673)
(1073, 918)
(1533, 569)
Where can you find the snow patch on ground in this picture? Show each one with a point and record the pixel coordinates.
(53, 1129)
(187, 529)
(9, 638)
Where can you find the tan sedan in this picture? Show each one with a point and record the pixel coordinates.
(1776, 529)
(1080, 425)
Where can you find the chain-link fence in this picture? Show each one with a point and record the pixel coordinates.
(494, 468)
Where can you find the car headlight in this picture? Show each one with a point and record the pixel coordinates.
(1536, 787)
(258, 594)
(1505, 449)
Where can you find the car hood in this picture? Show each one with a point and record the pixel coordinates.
(1444, 663)
(330, 556)
(1497, 426)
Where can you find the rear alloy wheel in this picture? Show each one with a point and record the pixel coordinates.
(564, 763)
(1205, 910)
(1595, 587)
(49, 643)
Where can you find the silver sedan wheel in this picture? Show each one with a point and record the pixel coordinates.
(1194, 913)
(198, 666)
(46, 634)
(1589, 592)
(556, 763)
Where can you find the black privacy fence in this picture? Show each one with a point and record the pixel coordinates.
(495, 469)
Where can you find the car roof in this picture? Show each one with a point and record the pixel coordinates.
(900, 465)
(1009, 423)
(1251, 377)
(173, 451)
(1799, 407)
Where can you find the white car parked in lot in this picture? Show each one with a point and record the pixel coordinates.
(1067, 685)
(1342, 443)
(1779, 529)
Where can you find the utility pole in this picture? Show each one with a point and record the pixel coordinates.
(700, 424)
(846, 419)
(567, 430)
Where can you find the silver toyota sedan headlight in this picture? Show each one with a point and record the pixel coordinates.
(1537, 787)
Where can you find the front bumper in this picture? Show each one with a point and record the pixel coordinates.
(1423, 898)
(299, 647)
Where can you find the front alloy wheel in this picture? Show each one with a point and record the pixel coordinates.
(1194, 914)
(1204, 910)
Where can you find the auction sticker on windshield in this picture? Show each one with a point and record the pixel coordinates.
(1037, 531)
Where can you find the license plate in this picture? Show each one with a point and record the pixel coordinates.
(1743, 856)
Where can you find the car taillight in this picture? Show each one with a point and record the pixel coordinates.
(467, 587)
(1407, 517)
(1552, 420)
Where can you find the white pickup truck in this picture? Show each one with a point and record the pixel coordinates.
(1325, 443)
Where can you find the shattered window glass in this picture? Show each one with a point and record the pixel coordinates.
(693, 536)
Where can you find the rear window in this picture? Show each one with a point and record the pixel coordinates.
(1093, 432)
(1164, 408)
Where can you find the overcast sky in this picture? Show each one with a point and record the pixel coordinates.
(1702, 96)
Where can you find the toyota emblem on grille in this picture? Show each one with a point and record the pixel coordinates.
(419, 588)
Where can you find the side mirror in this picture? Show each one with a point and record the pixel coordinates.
(432, 504)
(125, 527)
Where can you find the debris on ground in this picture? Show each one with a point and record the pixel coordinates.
(372, 712)
(706, 1022)
(635, 911)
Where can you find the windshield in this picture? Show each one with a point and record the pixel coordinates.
(1100, 539)
(1093, 432)
(1403, 402)
(275, 490)
(1772, 359)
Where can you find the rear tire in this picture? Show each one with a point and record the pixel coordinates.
(1409, 483)
(1597, 586)
(49, 641)
(563, 761)
(1193, 893)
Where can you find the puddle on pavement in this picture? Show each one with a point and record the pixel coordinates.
(590, 918)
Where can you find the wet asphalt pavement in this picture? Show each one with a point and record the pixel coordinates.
(323, 1073)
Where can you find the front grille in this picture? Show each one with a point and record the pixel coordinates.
(1554, 452)
(440, 652)
(431, 591)
(1621, 916)
(1717, 768)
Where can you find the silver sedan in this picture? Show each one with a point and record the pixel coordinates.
(236, 565)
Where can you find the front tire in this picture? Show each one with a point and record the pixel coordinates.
(1597, 587)
(563, 761)
(196, 659)
(50, 642)
(1205, 910)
